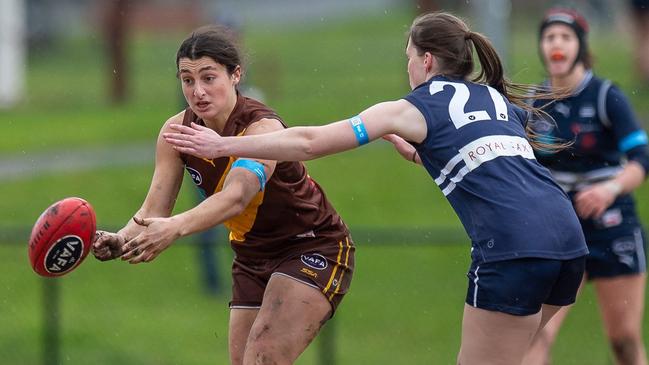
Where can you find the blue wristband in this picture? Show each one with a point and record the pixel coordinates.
(359, 130)
(635, 139)
(255, 167)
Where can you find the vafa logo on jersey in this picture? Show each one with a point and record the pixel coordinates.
(196, 176)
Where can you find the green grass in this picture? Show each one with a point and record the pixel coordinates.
(406, 299)
(404, 307)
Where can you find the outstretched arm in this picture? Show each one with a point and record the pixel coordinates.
(305, 143)
(159, 201)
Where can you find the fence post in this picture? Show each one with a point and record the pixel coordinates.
(50, 321)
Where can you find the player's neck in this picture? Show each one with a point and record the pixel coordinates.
(571, 80)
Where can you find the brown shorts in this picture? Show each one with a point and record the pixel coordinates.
(328, 268)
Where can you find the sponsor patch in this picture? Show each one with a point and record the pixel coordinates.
(309, 272)
(314, 261)
(587, 111)
(488, 148)
(195, 175)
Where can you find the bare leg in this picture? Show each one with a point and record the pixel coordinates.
(539, 351)
(621, 302)
(289, 319)
(241, 321)
(490, 338)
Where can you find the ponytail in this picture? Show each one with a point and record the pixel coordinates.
(491, 72)
(449, 39)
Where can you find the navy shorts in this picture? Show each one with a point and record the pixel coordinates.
(522, 286)
(623, 255)
(640, 5)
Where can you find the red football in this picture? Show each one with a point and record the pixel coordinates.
(61, 237)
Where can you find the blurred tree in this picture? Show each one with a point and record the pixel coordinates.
(426, 6)
(115, 33)
(12, 51)
(640, 14)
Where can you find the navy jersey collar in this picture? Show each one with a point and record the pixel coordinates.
(588, 76)
(435, 78)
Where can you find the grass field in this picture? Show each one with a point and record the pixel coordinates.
(404, 310)
(406, 299)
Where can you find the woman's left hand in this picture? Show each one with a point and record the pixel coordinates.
(593, 200)
(405, 149)
(196, 140)
(159, 234)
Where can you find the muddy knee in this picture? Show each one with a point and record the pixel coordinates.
(625, 350)
(263, 349)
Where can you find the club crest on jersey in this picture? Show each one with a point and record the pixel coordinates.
(196, 176)
(64, 254)
(563, 109)
(314, 260)
(541, 125)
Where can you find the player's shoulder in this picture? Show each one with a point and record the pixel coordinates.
(265, 125)
(596, 86)
(174, 119)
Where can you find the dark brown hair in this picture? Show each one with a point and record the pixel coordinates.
(213, 41)
(449, 39)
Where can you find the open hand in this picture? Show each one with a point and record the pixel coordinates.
(159, 234)
(196, 140)
(593, 201)
(405, 149)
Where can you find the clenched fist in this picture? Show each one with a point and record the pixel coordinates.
(107, 245)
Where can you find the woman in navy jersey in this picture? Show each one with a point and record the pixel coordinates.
(607, 161)
(527, 247)
(294, 258)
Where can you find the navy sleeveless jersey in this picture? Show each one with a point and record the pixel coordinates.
(477, 152)
(598, 119)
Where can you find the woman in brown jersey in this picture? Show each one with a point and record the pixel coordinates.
(468, 130)
(293, 255)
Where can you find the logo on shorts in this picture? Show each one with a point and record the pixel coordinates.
(196, 176)
(309, 272)
(315, 261)
(625, 248)
(611, 218)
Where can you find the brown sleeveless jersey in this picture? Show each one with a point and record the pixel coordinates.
(291, 210)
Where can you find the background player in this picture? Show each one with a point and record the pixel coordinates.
(599, 119)
(293, 254)
(472, 141)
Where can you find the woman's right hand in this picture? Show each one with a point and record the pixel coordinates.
(198, 141)
(107, 245)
